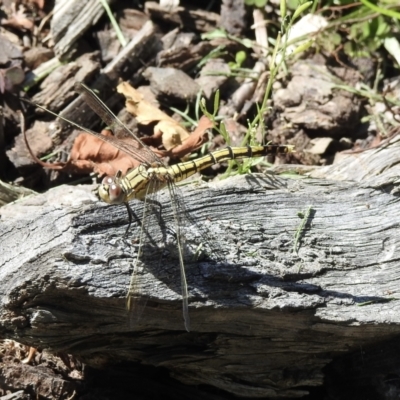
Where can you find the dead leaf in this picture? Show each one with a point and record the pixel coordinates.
(90, 153)
(144, 112)
(195, 140)
(174, 138)
(54, 166)
(172, 133)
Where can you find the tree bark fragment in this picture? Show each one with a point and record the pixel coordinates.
(265, 322)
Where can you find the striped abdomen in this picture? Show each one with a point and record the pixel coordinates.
(141, 181)
(183, 170)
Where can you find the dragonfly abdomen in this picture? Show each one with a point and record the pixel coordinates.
(181, 171)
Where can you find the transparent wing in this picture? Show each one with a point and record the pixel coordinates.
(152, 246)
(180, 243)
(136, 300)
(136, 148)
(207, 244)
(119, 144)
(182, 219)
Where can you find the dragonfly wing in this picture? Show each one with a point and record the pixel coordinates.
(141, 152)
(136, 301)
(175, 203)
(209, 245)
(119, 144)
(153, 242)
(149, 246)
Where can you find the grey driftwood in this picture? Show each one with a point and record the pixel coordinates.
(309, 272)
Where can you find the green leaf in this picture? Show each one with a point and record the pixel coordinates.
(300, 9)
(366, 29)
(216, 102)
(260, 3)
(283, 9)
(303, 47)
(292, 4)
(240, 57)
(216, 34)
(383, 27)
(384, 11)
(247, 43)
(392, 45)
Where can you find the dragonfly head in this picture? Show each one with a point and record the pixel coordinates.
(111, 191)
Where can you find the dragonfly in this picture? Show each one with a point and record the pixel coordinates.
(152, 175)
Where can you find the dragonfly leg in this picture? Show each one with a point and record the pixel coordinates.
(131, 216)
(156, 204)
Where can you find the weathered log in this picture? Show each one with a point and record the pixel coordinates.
(291, 293)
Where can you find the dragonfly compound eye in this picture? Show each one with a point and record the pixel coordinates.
(110, 191)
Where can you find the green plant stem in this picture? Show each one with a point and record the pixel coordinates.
(114, 23)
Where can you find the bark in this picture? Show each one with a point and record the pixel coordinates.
(299, 272)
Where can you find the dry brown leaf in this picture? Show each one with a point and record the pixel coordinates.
(175, 139)
(144, 112)
(88, 154)
(93, 154)
(172, 133)
(195, 140)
